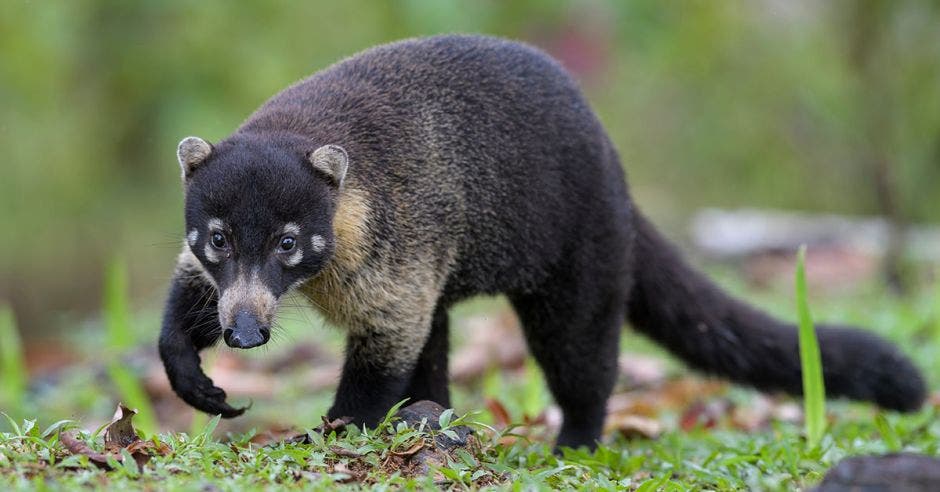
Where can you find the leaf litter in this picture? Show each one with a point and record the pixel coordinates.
(120, 440)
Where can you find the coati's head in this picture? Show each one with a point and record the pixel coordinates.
(259, 219)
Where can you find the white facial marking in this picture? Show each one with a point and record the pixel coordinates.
(216, 225)
(192, 237)
(318, 243)
(291, 228)
(211, 254)
(295, 258)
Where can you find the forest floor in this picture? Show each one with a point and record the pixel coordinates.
(668, 429)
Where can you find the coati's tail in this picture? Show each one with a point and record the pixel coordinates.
(713, 332)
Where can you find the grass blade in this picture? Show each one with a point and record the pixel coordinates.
(814, 391)
(12, 367)
(120, 339)
(117, 315)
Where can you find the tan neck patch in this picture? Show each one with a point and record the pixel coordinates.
(333, 290)
(350, 229)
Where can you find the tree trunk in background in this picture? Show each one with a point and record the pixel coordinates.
(867, 23)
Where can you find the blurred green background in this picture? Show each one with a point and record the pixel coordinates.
(821, 106)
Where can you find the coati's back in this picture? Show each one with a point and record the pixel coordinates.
(471, 150)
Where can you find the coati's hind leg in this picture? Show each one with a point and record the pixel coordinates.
(429, 380)
(573, 331)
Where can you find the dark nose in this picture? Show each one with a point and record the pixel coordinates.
(247, 332)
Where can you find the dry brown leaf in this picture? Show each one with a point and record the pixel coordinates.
(633, 426)
(78, 447)
(418, 446)
(337, 425)
(345, 453)
(498, 410)
(118, 435)
(706, 414)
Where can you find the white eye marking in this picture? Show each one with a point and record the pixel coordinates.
(291, 228)
(318, 243)
(216, 225)
(295, 258)
(211, 254)
(192, 237)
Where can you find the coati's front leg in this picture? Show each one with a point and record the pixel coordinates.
(381, 362)
(190, 324)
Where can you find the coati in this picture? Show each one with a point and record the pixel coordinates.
(413, 175)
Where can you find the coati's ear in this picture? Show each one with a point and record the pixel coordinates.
(191, 152)
(332, 161)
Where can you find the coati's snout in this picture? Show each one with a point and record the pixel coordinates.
(247, 332)
(246, 311)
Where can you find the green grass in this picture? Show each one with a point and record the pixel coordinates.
(814, 391)
(220, 454)
(12, 369)
(31, 459)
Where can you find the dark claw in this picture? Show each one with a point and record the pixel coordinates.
(204, 396)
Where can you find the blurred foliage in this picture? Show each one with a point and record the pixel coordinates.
(120, 340)
(770, 103)
(13, 374)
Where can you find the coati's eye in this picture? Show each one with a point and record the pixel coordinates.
(218, 240)
(287, 243)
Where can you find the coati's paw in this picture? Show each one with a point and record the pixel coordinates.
(203, 395)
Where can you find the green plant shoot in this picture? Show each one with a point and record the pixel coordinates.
(12, 367)
(814, 391)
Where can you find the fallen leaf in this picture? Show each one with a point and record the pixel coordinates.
(119, 436)
(79, 447)
(120, 432)
(337, 425)
(706, 414)
(418, 446)
(498, 410)
(345, 453)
